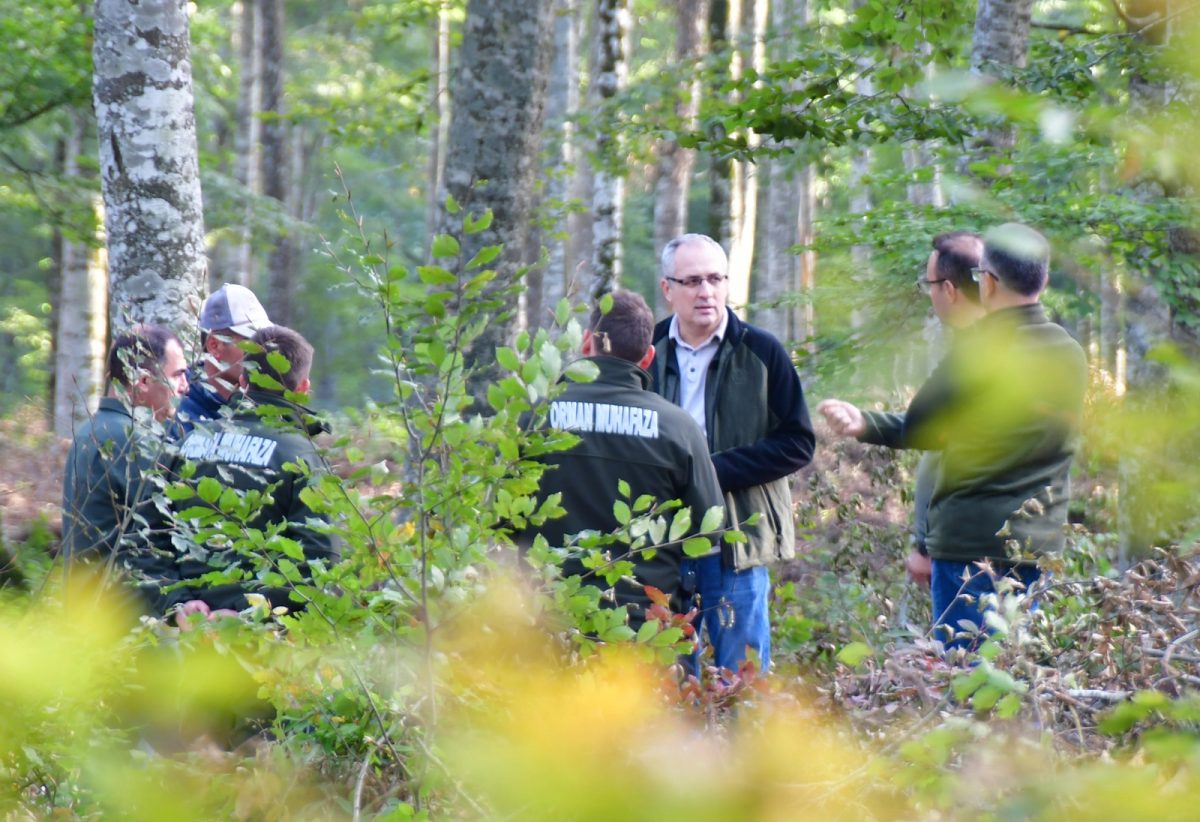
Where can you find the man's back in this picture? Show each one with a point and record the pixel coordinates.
(626, 433)
(249, 454)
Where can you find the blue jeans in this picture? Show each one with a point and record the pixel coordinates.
(955, 600)
(733, 610)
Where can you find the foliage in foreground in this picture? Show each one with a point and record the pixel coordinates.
(423, 678)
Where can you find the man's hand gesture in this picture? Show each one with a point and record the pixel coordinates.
(845, 419)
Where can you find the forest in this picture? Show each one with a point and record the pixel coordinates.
(435, 193)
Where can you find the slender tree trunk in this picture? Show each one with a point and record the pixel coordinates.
(723, 27)
(778, 278)
(553, 282)
(150, 174)
(673, 174)
(439, 105)
(608, 195)
(240, 266)
(743, 219)
(277, 162)
(82, 311)
(499, 105)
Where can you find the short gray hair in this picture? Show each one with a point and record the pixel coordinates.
(668, 252)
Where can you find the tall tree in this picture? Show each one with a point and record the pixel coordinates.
(277, 162)
(239, 267)
(499, 94)
(750, 50)
(784, 187)
(1000, 40)
(608, 195)
(439, 105)
(549, 284)
(149, 169)
(673, 173)
(82, 309)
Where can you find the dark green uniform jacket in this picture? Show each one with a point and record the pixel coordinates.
(109, 481)
(248, 453)
(626, 433)
(1003, 408)
(759, 433)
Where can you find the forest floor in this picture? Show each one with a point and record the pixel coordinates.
(31, 469)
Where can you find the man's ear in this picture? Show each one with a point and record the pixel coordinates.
(303, 386)
(952, 292)
(589, 346)
(647, 358)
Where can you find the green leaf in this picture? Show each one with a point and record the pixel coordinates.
(445, 246)
(208, 489)
(854, 653)
(474, 226)
(485, 256)
(623, 489)
(606, 303)
(452, 206)
(507, 359)
(279, 362)
(582, 371)
(621, 512)
(435, 275)
(714, 518)
(696, 547)
(562, 311)
(681, 523)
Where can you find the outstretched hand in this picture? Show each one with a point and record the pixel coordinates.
(844, 418)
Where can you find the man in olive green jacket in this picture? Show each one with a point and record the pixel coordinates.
(1003, 409)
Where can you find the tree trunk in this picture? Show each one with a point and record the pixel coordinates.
(778, 282)
(82, 326)
(608, 195)
(247, 169)
(150, 174)
(743, 219)
(499, 104)
(277, 162)
(722, 31)
(673, 175)
(439, 92)
(553, 282)
(1001, 39)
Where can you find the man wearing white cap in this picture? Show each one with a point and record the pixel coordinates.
(228, 317)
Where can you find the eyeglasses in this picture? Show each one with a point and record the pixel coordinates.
(714, 280)
(978, 272)
(926, 286)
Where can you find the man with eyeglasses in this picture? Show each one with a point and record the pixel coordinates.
(738, 383)
(1003, 408)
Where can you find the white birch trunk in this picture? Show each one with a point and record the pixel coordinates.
(439, 92)
(744, 177)
(248, 141)
(673, 173)
(608, 194)
(150, 175)
(562, 106)
(82, 313)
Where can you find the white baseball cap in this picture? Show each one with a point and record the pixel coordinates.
(234, 307)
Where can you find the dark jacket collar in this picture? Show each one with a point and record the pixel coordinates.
(1016, 315)
(616, 371)
(115, 405)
